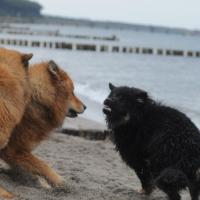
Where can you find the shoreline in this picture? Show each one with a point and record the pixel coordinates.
(82, 123)
(84, 128)
(94, 111)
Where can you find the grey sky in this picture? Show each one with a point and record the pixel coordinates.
(173, 13)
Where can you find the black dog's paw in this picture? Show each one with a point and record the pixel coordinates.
(142, 191)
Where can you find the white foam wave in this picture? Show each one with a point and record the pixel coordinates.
(94, 94)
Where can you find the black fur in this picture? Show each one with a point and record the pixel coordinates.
(160, 143)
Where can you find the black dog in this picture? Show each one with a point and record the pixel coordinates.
(160, 143)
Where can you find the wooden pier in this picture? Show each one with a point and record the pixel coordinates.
(112, 48)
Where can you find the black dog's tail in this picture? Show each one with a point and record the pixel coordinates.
(171, 181)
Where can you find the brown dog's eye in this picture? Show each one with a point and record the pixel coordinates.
(26, 58)
(26, 64)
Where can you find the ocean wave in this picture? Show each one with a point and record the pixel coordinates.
(95, 94)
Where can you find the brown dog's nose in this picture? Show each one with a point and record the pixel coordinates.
(85, 107)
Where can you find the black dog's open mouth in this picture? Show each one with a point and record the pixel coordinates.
(72, 114)
(106, 109)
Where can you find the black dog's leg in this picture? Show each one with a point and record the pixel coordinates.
(194, 192)
(194, 188)
(145, 177)
(171, 181)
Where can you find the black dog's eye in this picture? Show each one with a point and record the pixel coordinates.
(119, 97)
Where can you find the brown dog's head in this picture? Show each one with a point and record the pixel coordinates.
(75, 106)
(54, 89)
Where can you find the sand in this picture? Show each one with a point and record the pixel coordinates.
(92, 170)
(81, 123)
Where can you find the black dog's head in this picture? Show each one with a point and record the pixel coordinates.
(123, 104)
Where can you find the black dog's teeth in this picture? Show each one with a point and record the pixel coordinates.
(107, 108)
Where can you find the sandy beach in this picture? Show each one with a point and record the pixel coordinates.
(80, 150)
(92, 170)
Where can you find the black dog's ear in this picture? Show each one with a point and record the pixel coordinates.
(53, 68)
(142, 97)
(111, 86)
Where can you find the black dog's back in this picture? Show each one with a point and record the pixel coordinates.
(164, 136)
(170, 131)
(157, 141)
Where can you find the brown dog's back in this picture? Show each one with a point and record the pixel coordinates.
(14, 94)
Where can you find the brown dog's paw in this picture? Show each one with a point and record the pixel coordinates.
(6, 195)
(57, 181)
(43, 183)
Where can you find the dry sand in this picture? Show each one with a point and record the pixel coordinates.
(92, 171)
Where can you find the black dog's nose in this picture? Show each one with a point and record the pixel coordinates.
(85, 107)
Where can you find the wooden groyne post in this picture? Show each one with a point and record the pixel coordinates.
(99, 47)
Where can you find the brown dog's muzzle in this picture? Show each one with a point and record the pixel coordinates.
(72, 113)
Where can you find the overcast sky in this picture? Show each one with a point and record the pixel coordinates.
(173, 13)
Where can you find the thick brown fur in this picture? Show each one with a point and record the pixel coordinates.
(14, 95)
(52, 97)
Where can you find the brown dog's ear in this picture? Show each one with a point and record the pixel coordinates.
(26, 58)
(111, 86)
(53, 68)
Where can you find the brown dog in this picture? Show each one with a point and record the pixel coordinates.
(52, 98)
(14, 89)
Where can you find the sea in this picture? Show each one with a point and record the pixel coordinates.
(174, 81)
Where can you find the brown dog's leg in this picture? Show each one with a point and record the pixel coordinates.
(4, 136)
(33, 165)
(5, 195)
